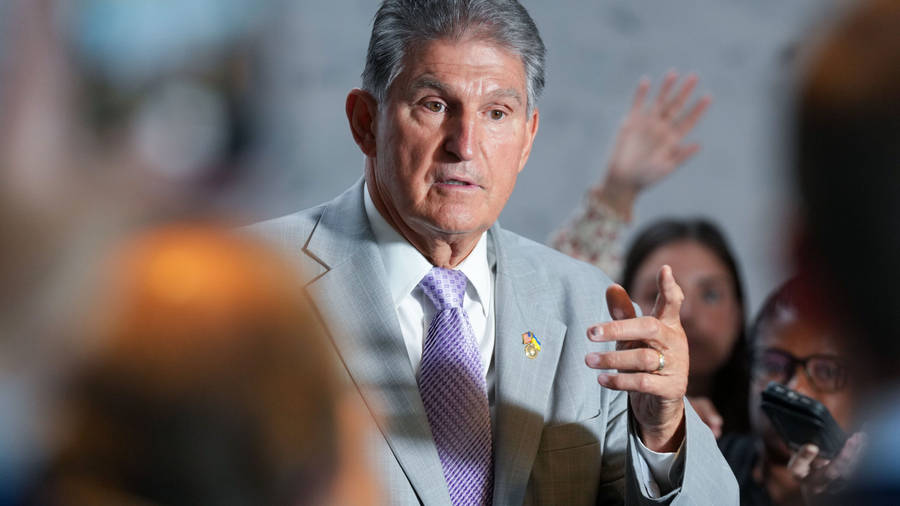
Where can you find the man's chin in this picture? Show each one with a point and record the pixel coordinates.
(454, 229)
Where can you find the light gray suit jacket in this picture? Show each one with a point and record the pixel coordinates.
(559, 437)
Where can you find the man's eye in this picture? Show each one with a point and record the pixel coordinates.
(497, 114)
(435, 106)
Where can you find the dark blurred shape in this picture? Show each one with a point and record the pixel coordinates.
(207, 380)
(848, 171)
(847, 150)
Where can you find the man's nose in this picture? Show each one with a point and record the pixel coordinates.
(462, 137)
(800, 382)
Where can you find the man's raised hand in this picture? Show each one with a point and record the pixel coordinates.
(651, 358)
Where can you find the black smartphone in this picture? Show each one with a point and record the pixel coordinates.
(800, 420)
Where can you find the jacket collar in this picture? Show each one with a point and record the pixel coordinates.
(353, 296)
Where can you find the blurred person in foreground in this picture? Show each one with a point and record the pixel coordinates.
(206, 379)
(650, 145)
(847, 167)
(113, 115)
(791, 343)
(476, 349)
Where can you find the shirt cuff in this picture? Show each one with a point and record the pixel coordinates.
(655, 469)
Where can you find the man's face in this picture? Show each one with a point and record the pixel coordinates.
(451, 138)
(799, 338)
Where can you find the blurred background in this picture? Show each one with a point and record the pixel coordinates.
(275, 74)
(117, 115)
(597, 50)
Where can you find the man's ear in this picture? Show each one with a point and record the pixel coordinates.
(362, 110)
(532, 127)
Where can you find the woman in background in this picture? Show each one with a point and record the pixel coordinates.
(712, 313)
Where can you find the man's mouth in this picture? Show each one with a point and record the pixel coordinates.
(455, 181)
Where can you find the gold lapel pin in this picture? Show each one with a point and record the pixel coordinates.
(532, 345)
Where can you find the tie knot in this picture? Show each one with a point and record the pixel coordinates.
(445, 287)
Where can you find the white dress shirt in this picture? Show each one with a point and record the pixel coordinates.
(406, 266)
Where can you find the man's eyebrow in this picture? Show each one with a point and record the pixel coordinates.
(426, 82)
(430, 83)
(508, 93)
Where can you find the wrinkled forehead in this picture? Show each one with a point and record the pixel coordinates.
(472, 51)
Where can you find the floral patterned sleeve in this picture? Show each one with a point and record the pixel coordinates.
(594, 234)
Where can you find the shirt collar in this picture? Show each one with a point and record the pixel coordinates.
(406, 266)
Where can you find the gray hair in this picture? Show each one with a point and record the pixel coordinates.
(400, 25)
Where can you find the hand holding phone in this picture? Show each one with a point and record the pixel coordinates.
(800, 419)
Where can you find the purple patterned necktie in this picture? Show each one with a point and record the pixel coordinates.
(452, 385)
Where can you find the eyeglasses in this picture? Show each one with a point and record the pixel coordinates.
(826, 372)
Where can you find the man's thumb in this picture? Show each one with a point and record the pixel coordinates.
(668, 302)
(619, 303)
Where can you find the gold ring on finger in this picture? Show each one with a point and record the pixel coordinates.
(662, 362)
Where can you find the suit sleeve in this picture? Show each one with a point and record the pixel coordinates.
(705, 476)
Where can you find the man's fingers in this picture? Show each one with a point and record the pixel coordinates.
(645, 328)
(643, 382)
(668, 302)
(635, 360)
(845, 462)
(818, 474)
(640, 95)
(800, 464)
(619, 303)
(853, 447)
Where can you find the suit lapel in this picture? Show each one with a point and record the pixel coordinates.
(523, 385)
(352, 296)
(350, 292)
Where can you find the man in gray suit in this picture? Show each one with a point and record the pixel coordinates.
(475, 350)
